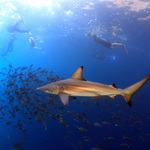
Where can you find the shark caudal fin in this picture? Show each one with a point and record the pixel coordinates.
(131, 90)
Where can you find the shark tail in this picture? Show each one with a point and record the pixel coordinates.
(131, 90)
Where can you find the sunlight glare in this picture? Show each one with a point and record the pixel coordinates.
(39, 3)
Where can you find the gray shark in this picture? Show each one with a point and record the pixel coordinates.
(76, 85)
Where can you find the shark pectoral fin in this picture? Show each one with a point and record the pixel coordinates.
(64, 99)
(98, 96)
(78, 74)
(112, 96)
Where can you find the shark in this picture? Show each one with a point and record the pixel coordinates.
(76, 85)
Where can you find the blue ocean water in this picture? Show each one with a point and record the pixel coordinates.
(34, 120)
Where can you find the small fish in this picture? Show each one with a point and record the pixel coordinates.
(81, 129)
(9, 138)
(105, 123)
(8, 122)
(87, 138)
(97, 124)
(63, 124)
(138, 122)
(116, 117)
(66, 137)
(125, 145)
(127, 138)
(2, 111)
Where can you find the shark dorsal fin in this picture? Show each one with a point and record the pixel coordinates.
(78, 74)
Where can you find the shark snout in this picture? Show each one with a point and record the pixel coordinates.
(40, 88)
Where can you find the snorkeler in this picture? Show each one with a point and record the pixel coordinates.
(105, 43)
(10, 44)
(14, 27)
